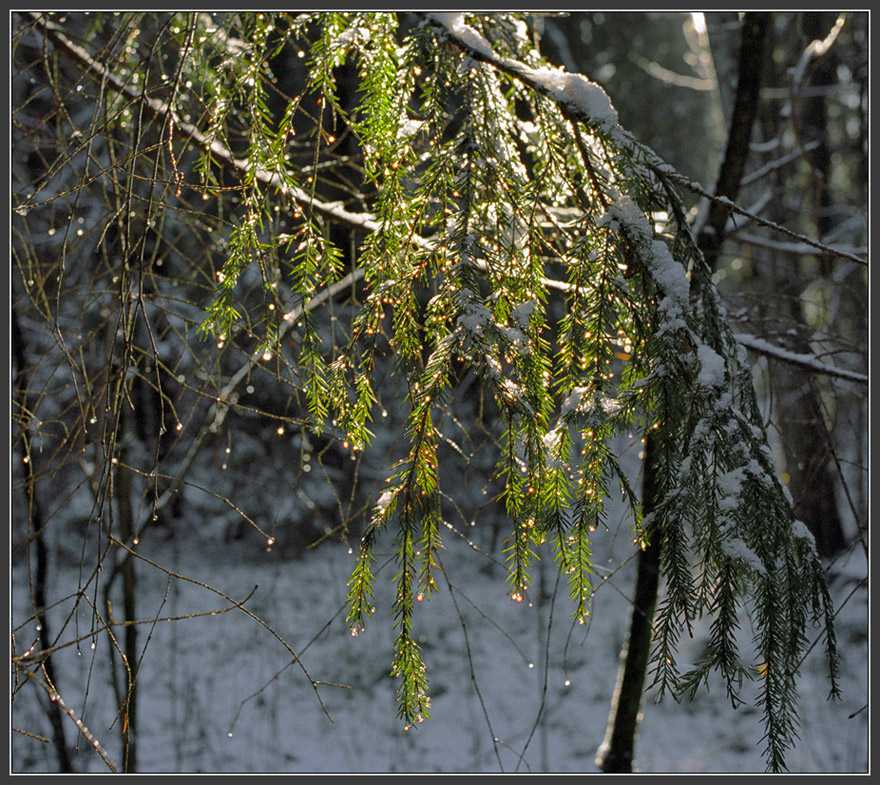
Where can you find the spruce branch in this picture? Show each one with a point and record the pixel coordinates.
(366, 222)
(470, 203)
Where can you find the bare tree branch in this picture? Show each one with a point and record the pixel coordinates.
(806, 361)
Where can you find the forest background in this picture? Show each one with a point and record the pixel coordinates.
(184, 539)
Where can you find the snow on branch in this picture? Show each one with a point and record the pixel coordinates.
(806, 361)
(572, 88)
(585, 98)
(797, 249)
(591, 103)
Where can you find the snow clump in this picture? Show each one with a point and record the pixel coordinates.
(575, 90)
(712, 370)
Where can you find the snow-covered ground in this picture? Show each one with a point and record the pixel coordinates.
(219, 693)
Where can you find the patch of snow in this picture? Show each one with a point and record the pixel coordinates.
(455, 23)
(511, 388)
(756, 471)
(572, 402)
(800, 532)
(409, 127)
(627, 215)
(804, 360)
(516, 339)
(684, 467)
(575, 90)
(606, 404)
(475, 318)
(730, 482)
(553, 439)
(786, 492)
(673, 319)
(713, 373)
(523, 313)
(385, 501)
(736, 549)
(669, 275)
(352, 35)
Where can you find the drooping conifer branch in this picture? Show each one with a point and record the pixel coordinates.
(688, 377)
(512, 234)
(366, 222)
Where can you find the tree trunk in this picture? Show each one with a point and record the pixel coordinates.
(741, 125)
(129, 591)
(126, 692)
(618, 749)
(37, 535)
(802, 426)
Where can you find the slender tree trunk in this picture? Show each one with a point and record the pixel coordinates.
(618, 749)
(816, 504)
(129, 593)
(804, 432)
(124, 569)
(741, 125)
(37, 535)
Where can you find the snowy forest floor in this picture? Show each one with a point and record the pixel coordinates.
(218, 693)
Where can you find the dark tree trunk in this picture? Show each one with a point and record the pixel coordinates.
(741, 126)
(129, 595)
(618, 750)
(36, 534)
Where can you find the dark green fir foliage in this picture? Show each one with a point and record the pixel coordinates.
(503, 193)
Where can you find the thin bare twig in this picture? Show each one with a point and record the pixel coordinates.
(58, 700)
